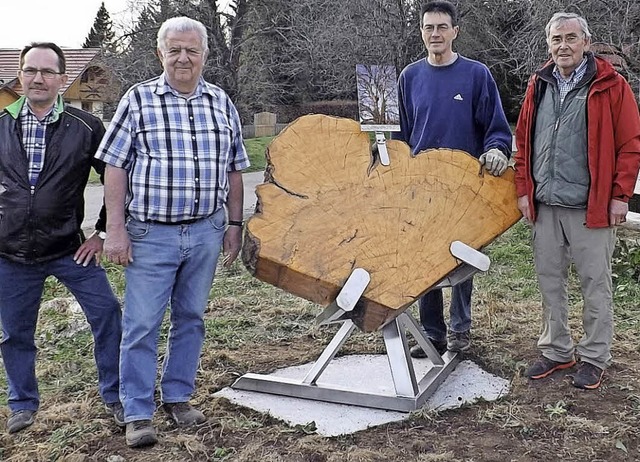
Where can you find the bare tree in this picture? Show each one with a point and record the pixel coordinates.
(377, 94)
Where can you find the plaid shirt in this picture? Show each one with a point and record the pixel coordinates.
(34, 139)
(176, 150)
(565, 86)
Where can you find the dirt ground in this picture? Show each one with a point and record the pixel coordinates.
(538, 421)
(252, 327)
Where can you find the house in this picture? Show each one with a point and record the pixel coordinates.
(89, 86)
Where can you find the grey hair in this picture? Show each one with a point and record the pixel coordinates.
(561, 17)
(181, 24)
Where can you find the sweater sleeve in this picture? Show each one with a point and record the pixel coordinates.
(490, 116)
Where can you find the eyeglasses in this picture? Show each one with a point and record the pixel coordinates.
(45, 73)
(441, 28)
(570, 39)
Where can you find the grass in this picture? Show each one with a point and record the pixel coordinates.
(256, 148)
(254, 327)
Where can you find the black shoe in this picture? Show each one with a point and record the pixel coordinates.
(544, 367)
(140, 433)
(417, 351)
(459, 341)
(20, 419)
(117, 411)
(184, 414)
(588, 376)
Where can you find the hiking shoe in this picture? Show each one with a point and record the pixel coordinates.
(417, 351)
(140, 433)
(20, 419)
(544, 367)
(588, 376)
(459, 341)
(117, 411)
(184, 414)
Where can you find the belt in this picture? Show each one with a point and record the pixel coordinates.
(190, 221)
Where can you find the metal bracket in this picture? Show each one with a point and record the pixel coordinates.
(472, 262)
(346, 300)
(381, 143)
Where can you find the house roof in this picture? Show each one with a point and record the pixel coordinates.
(78, 59)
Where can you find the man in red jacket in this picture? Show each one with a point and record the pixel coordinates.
(578, 139)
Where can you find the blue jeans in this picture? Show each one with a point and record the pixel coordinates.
(21, 288)
(171, 264)
(432, 311)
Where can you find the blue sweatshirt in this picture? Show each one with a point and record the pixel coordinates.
(455, 106)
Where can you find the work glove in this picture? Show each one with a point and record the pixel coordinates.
(494, 161)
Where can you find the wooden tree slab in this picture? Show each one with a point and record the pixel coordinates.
(324, 210)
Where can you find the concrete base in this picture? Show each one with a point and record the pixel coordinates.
(368, 373)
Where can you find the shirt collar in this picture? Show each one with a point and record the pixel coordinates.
(578, 71)
(163, 87)
(20, 107)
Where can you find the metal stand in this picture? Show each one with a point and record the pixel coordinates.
(410, 393)
(381, 142)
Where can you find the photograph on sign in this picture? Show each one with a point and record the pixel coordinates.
(377, 97)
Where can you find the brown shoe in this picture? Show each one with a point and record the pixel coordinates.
(588, 376)
(184, 414)
(416, 351)
(20, 419)
(459, 341)
(543, 367)
(140, 433)
(117, 411)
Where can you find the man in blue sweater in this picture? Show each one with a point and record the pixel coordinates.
(449, 101)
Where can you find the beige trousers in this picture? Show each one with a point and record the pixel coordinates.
(560, 237)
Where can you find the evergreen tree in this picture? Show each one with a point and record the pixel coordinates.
(101, 34)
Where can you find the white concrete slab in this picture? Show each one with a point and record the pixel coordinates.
(366, 373)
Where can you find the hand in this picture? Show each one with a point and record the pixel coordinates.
(117, 247)
(494, 161)
(617, 212)
(523, 206)
(91, 248)
(231, 245)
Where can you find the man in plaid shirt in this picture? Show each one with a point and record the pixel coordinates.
(174, 157)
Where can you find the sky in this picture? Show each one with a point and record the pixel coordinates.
(64, 22)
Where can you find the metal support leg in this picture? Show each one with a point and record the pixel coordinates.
(418, 334)
(329, 352)
(402, 372)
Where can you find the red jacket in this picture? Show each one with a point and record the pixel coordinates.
(613, 139)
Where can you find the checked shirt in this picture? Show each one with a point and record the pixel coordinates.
(176, 150)
(565, 86)
(34, 139)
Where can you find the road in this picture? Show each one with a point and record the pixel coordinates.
(93, 199)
